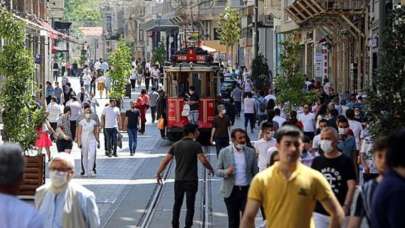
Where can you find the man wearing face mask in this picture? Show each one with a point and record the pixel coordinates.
(237, 164)
(347, 142)
(221, 129)
(64, 203)
(263, 145)
(339, 170)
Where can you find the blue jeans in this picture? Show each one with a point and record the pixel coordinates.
(193, 117)
(111, 136)
(133, 139)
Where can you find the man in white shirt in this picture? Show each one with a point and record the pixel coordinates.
(53, 111)
(280, 120)
(237, 164)
(249, 105)
(316, 142)
(75, 110)
(308, 120)
(14, 213)
(263, 144)
(110, 120)
(64, 203)
(270, 96)
(356, 127)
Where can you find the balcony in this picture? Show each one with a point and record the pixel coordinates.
(302, 11)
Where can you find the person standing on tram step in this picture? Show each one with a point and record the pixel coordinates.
(193, 100)
(186, 152)
(237, 164)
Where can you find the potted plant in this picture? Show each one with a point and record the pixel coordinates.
(20, 113)
(120, 61)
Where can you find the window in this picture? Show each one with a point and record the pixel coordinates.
(141, 35)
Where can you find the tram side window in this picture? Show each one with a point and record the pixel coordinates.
(196, 83)
(183, 85)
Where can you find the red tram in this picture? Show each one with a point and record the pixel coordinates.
(190, 67)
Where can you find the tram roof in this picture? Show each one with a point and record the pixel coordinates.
(187, 67)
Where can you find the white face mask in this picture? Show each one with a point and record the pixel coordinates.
(341, 130)
(58, 178)
(239, 146)
(224, 112)
(87, 115)
(326, 146)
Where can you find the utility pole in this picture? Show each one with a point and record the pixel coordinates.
(256, 30)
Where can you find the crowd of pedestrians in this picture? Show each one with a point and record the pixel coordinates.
(337, 173)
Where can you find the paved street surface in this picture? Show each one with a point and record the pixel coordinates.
(125, 185)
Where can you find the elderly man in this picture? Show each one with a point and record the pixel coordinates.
(14, 212)
(64, 203)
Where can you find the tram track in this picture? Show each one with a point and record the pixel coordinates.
(205, 219)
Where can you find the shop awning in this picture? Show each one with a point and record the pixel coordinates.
(52, 33)
(209, 49)
(214, 45)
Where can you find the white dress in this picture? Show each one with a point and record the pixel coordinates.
(89, 144)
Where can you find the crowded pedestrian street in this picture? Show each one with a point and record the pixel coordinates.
(211, 114)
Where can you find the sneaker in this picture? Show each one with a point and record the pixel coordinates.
(115, 155)
(94, 170)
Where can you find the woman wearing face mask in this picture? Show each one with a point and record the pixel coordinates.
(87, 140)
(63, 203)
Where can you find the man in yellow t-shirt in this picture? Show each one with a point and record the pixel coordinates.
(288, 191)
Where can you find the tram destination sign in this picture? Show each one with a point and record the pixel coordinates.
(192, 56)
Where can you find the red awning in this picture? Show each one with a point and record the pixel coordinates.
(52, 33)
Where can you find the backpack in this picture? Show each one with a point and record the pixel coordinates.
(262, 106)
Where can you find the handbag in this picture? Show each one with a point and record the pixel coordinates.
(161, 123)
(186, 110)
(119, 139)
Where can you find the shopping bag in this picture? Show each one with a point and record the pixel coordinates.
(161, 123)
(186, 110)
(119, 139)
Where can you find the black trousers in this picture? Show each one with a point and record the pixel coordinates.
(221, 142)
(250, 118)
(310, 135)
(235, 204)
(147, 82)
(54, 125)
(73, 124)
(133, 81)
(189, 188)
(153, 113)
